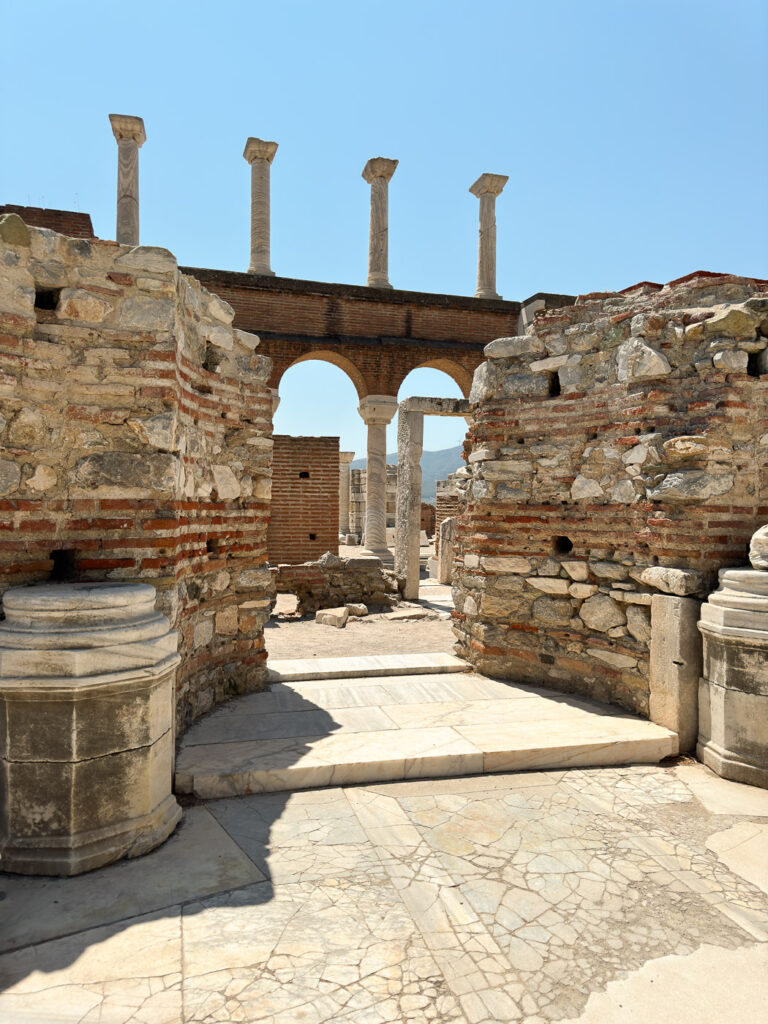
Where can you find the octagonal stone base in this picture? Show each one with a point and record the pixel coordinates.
(86, 757)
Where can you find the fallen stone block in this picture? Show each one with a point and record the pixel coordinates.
(332, 617)
(357, 609)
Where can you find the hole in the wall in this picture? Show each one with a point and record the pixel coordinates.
(204, 389)
(592, 436)
(63, 564)
(213, 546)
(755, 364)
(554, 385)
(562, 545)
(47, 298)
(304, 475)
(546, 659)
(313, 536)
(521, 440)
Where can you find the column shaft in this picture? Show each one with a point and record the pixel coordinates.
(376, 488)
(410, 443)
(260, 242)
(378, 239)
(127, 230)
(486, 246)
(344, 475)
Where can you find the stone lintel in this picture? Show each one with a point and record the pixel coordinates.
(379, 167)
(125, 126)
(493, 183)
(259, 149)
(377, 408)
(436, 406)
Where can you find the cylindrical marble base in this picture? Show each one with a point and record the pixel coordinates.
(87, 675)
(733, 692)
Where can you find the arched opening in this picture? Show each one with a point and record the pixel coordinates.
(459, 374)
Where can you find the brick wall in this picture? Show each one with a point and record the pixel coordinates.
(448, 503)
(626, 432)
(65, 222)
(428, 518)
(135, 426)
(304, 520)
(376, 335)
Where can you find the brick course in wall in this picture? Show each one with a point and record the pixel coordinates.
(625, 432)
(136, 433)
(304, 521)
(65, 222)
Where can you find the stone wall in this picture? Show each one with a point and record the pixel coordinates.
(304, 518)
(449, 503)
(136, 427)
(331, 582)
(618, 450)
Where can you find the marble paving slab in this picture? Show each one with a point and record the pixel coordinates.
(286, 669)
(357, 729)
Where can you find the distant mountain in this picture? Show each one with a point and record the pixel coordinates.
(434, 466)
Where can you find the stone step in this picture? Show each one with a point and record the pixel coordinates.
(283, 670)
(308, 734)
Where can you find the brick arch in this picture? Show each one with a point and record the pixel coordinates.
(461, 375)
(327, 356)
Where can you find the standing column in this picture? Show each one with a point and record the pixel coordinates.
(260, 155)
(486, 188)
(377, 173)
(130, 135)
(377, 411)
(344, 460)
(410, 443)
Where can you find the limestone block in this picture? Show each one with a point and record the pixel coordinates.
(695, 446)
(247, 340)
(548, 585)
(737, 321)
(675, 666)
(515, 348)
(226, 483)
(86, 755)
(127, 471)
(27, 429)
(624, 493)
(10, 475)
(332, 617)
(734, 360)
(583, 488)
(43, 479)
(158, 431)
(13, 230)
(203, 633)
(618, 661)
(150, 259)
(639, 623)
(226, 621)
(506, 563)
(221, 310)
(552, 610)
(682, 582)
(601, 613)
(691, 485)
(77, 304)
(581, 591)
(144, 313)
(608, 570)
(638, 361)
(578, 571)
(357, 609)
(220, 337)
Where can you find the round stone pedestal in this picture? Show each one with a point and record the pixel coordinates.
(733, 693)
(87, 674)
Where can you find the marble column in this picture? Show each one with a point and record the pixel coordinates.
(486, 188)
(344, 460)
(377, 411)
(259, 155)
(377, 172)
(410, 444)
(130, 135)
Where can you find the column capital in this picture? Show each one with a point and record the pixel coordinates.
(258, 149)
(124, 126)
(345, 458)
(375, 409)
(379, 167)
(489, 183)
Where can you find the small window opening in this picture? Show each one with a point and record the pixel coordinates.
(313, 536)
(562, 545)
(63, 564)
(755, 364)
(47, 298)
(304, 475)
(554, 385)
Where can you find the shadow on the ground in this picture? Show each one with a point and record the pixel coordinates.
(46, 923)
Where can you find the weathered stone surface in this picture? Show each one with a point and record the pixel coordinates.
(695, 446)
(359, 610)
(332, 617)
(127, 471)
(550, 609)
(675, 666)
(617, 661)
(43, 479)
(734, 360)
(140, 312)
(506, 563)
(13, 230)
(27, 429)
(10, 474)
(584, 489)
(639, 623)
(581, 591)
(78, 304)
(758, 549)
(638, 361)
(578, 571)
(549, 586)
(158, 431)
(601, 613)
(515, 348)
(673, 581)
(150, 259)
(226, 483)
(691, 485)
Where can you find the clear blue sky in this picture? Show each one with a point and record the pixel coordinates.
(634, 134)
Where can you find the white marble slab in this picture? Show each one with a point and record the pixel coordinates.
(287, 669)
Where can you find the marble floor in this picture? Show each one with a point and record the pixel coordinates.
(599, 896)
(321, 724)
